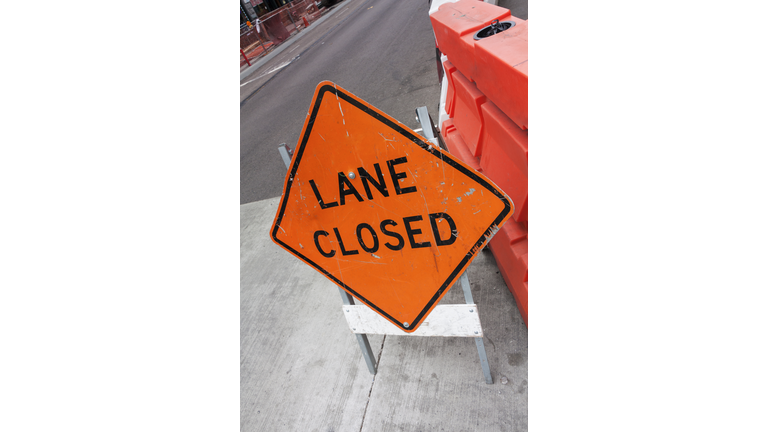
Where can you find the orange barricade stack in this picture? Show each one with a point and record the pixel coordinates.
(487, 106)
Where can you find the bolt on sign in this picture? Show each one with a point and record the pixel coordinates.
(381, 212)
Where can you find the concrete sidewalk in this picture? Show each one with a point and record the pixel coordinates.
(301, 368)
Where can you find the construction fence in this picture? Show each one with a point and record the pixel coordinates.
(273, 28)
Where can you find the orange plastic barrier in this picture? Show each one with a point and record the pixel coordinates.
(450, 96)
(498, 64)
(458, 147)
(455, 24)
(501, 71)
(487, 102)
(510, 248)
(505, 157)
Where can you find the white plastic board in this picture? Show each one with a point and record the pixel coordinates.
(459, 320)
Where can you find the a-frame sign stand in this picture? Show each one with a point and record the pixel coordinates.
(443, 320)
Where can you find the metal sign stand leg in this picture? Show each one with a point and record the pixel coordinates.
(464, 281)
(362, 339)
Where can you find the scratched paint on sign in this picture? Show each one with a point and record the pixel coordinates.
(381, 212)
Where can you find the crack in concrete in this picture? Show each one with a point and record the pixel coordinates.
(378, 363)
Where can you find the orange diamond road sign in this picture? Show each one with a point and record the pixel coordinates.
(377, 209)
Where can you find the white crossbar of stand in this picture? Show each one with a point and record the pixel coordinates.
(456, 320)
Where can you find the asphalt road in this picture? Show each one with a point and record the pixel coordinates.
(383, 52)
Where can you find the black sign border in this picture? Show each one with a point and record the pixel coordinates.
(331, 88)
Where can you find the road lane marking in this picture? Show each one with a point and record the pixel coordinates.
(275, 69)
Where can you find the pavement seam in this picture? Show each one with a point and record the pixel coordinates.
(378, 364)
(301, 53)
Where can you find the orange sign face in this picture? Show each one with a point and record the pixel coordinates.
(378, 210)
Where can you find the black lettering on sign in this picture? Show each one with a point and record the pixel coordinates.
(413, 231)
(399, 175)
(433, 217)
(347, 188)
(385, 231)
(375, 246)
(323, 205)
(317, 244)
(341, 245)
(381, 185)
